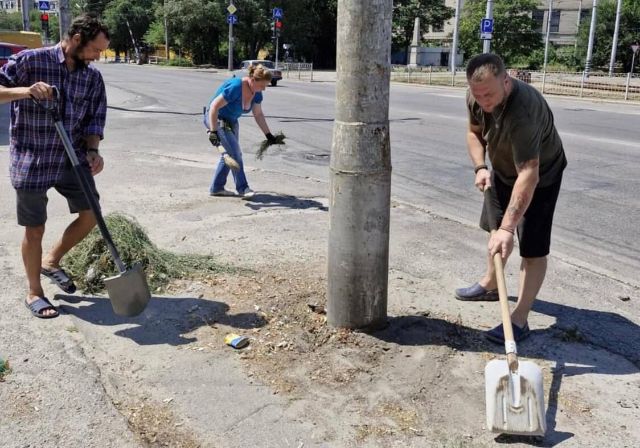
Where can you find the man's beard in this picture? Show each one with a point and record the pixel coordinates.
(80, 63)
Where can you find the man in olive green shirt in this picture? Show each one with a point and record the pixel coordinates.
(511, 122)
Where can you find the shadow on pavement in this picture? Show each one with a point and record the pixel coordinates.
(267, 200)
(283, 119)
(609, 331)
(164, 321)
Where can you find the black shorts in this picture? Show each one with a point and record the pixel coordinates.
(32, 205)
(534, 229)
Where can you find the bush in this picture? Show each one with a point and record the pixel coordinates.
(178, 62)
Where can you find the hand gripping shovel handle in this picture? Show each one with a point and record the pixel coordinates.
(509, 340)
(54, 112)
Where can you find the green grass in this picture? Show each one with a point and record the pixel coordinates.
(4, 369)
(177, 62)
(90, 262)
(265, 145)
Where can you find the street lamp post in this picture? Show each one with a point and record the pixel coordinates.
(454, 44)
(546, 45)
(592, 33)
(166, 33)
(615, 39)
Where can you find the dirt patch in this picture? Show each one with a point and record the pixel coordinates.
(383, 387)
(155, 424)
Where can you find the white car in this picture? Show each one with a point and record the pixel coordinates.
(244, 67)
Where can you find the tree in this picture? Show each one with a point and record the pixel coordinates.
(11, 21)
(430, 12)
(125, 18)
(605, 22)
(195, 26)
(515, 35)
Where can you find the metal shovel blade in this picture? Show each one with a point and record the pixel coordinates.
(512, 409)
(128, 291)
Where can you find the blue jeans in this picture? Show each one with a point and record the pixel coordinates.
(230, 142)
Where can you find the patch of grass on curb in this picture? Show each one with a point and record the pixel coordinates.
(4, 369)
(90, 262)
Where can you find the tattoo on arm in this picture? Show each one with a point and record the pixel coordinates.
(517, 205)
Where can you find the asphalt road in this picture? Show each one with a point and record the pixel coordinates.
(599, 206)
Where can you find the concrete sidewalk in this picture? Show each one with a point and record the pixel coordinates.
(165, 378)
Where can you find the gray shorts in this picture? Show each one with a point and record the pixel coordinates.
(32, 205)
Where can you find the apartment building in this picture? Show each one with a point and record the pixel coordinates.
(565, 19)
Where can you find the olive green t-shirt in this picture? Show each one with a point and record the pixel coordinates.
(519, 131)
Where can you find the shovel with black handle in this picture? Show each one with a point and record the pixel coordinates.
(128, 290)
(514, 389)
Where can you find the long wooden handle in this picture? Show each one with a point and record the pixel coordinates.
(509, 340)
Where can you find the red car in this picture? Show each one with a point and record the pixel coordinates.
(7, 49)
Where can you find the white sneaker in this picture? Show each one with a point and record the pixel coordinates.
(247, 193)
(222, 193)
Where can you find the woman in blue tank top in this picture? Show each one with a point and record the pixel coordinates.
(236, 96)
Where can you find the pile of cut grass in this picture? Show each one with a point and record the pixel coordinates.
(90, 262)
(279, 140)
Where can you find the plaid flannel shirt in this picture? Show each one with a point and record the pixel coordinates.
(37, 153)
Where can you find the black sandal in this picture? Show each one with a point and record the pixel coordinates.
(39, 306)
(60, 278)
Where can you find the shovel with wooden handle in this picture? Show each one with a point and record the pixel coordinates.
(514, 389)
(128, 290)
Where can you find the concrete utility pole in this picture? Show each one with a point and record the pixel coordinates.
(360, 168)
(592, 33)
(486, 44)
(64, 17)
(454, 44)
(26, 25)
(615, 38)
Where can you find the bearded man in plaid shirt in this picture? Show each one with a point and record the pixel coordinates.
(38, 159)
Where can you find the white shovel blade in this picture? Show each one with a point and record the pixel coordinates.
(506, 412)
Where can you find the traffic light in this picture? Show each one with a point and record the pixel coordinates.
(44, 21)
(277, 27)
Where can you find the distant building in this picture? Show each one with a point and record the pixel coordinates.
(565, 19)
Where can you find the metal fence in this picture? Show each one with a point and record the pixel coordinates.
(580, 84)
(297, 70)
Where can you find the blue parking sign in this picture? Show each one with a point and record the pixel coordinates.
(486, 26)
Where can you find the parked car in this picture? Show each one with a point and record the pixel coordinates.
(7, 49)
(244, 67)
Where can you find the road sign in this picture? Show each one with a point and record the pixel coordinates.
(486, 26)
(232, 9)
(486, 29)
(43, 5)
(232, 19)
(634, 47)
(277, 13)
